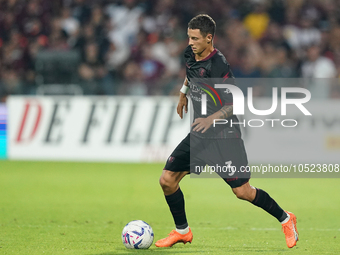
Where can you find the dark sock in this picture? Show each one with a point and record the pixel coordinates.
(176, 205)
(263, 200)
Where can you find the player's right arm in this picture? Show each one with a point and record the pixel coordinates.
(183, 100)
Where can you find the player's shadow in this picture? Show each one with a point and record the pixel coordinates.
(150, 251)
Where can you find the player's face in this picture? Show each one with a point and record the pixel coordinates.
(197, 41)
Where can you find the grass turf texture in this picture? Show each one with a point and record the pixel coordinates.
(81, 208)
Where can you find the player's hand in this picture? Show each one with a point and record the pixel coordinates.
(202, 124)
(183, 102)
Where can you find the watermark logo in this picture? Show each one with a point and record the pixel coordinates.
(204, 97)
(239, 104)
(238, 99)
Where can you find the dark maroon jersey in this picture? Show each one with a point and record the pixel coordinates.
(202, 76)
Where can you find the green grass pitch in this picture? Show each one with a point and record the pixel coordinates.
(81, 208)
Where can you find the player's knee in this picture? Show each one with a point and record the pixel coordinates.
(162, 181)
(240, 194)
(165, 183)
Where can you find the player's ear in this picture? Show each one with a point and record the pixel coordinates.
(209, 38)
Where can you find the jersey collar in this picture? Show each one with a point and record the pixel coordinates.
(209, 56)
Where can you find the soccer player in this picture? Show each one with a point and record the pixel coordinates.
(205, 61)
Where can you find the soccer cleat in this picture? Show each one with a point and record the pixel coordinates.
(175, 237)
(290, 230)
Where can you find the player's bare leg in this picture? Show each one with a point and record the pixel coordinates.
(169, 182)
(261, 199)
(245, 192)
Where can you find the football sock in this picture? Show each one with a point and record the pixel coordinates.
(285, 220)
(183, 231)
(263, 200)
(176, 205)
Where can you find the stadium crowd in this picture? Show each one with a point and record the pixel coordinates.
(135, 47)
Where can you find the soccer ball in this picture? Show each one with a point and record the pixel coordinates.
(137, 234)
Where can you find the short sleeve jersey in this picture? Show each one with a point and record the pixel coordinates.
(201, 76)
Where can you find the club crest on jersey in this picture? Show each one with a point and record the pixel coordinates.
(171, 159)
(202, 71)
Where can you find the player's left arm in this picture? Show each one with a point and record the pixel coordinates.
(203, 124)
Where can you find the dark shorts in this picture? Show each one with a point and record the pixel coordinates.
(226, 157)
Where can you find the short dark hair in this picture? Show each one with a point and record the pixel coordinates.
(204, 23)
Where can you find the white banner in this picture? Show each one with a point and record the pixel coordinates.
(127, 129)
(147, 129)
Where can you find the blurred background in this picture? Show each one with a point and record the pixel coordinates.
(121, 65)
(135, 47)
